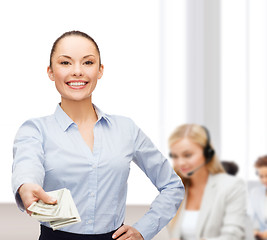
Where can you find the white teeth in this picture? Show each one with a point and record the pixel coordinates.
(76, 83)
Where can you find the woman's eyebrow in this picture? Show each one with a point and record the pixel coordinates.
(186, 151)
(90, 55)
(66, 56)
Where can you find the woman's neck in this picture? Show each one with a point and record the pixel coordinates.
(79, 111)
(200, 178)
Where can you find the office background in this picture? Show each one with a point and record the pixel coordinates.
(167, 62)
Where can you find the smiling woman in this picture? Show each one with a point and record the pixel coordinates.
(89, 152)
(75, 65)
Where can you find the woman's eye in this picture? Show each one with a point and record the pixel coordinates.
(64, 63)
(187, 155)
(88, 63)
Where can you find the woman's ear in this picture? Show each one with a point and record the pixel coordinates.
(50, 73)
(101, 70)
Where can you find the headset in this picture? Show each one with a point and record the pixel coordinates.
(208, 151)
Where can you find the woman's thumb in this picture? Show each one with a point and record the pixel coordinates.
(42, 195)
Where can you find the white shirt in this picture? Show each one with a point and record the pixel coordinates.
(189, 225)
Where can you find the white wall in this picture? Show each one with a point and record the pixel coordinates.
(244, 85)
(166, 63)
(226, 77)
(135, 82)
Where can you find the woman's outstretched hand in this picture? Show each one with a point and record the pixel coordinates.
(30, 192)
(127, 232)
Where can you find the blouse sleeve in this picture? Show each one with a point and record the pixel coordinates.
(28, 158)
(171, 190)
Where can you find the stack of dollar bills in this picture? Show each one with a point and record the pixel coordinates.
(61, 214)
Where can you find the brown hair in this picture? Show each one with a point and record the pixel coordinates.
(261, 162)
(198, 135)
(73, 33)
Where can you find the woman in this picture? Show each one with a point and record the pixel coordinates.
(258, 200)
(89, 152)
(214, 205)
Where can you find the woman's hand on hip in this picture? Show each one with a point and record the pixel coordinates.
(127, 232)
(261, 235)
(30, 192)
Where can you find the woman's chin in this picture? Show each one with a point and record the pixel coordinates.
(184, 175)
(76, 98)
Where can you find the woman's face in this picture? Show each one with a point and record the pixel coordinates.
(262, 173)
(187, 156)
(75, 68)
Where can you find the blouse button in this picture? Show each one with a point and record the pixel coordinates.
(89, 221)
(92, 194)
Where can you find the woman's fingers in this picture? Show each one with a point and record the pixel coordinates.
(42, 195)
(29, 212)
(119, 232)
(127, 232)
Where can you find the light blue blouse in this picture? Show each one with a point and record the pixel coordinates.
(257, 207)
(51, 152)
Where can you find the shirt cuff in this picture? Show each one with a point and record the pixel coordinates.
(147, 230)
(19, 202)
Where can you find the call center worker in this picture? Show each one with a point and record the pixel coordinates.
(81, 148)
(214, 207)
(258, 200)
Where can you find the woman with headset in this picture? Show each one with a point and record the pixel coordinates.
(215, 203)
(81, 148)
(258, 200)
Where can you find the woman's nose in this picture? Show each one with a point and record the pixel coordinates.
(181, 161)
(77, 70)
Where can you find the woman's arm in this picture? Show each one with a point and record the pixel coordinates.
(161, 174)
(28, 171)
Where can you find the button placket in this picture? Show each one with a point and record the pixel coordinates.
(93, 180)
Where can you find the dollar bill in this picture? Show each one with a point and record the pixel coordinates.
(61, 214)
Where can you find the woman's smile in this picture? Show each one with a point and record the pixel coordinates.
(76, 69)
(77, 84)
(185, 170)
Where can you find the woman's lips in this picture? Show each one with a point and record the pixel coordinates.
(185, 170)
(77, 84)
